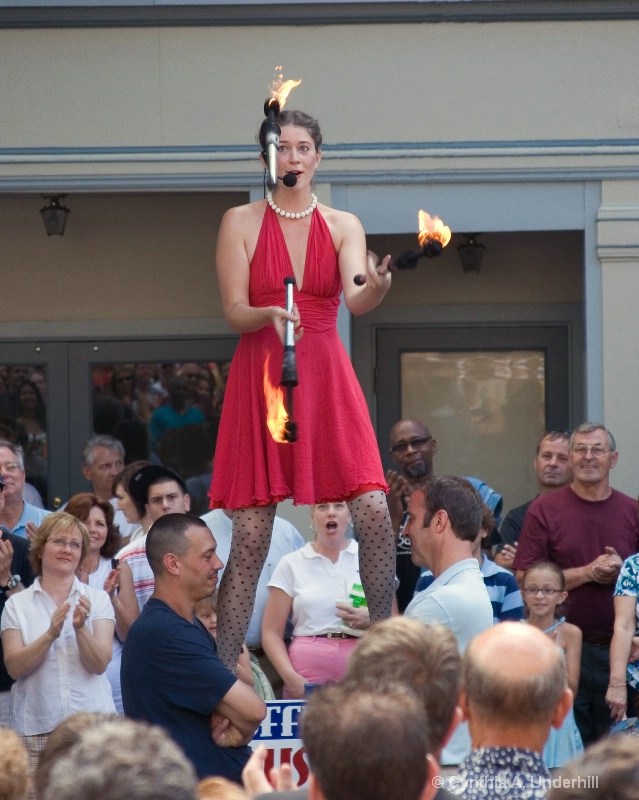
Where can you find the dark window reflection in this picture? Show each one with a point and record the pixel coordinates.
(168, 413)
(23, 420)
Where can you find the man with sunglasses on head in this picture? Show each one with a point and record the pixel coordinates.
(588, 529)
(412, 449)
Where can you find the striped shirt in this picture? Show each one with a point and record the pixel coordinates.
(134, 555)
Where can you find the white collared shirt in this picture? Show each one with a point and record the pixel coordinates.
(316, 583)
(60, 685)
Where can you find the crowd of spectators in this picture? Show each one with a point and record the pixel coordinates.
(111, 684)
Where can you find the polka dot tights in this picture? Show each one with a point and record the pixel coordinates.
(252, 528)
(371, 520)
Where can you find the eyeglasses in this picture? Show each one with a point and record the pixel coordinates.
(61, 543)
(596, 450)
(11, 467)
(402, 447)
(547, 591)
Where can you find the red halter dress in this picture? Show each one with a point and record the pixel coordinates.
(336, 456)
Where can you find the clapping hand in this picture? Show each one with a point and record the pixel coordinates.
(57, 619)
(81, 612)
(6, 557)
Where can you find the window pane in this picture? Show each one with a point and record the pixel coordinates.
(167, 412)
(487, 408)
(23, 420)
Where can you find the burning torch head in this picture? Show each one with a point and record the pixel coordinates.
(433, 235)
(271, 109)
(269, 136)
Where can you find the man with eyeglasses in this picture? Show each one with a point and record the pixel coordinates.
(553, 470)
(588, 529)
(15, 575)
(412, 449)
(16, 514)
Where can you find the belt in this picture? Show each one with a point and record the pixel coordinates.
(600, 641)
(336, 635)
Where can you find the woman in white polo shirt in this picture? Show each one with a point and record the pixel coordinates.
(312, 586)
(57, 636)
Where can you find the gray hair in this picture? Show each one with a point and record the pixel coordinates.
(17, 451)
(100, 440)
(123, 760)
(591, 427)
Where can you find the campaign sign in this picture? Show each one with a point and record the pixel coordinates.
(279, 733)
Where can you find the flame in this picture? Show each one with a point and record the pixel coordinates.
(280, 89)
(276, 416)
(432, 228)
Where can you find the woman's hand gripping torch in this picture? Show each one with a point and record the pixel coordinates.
(289, 364)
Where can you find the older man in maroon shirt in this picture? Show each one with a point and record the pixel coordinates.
(588, 529)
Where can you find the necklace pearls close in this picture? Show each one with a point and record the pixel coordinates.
(292, 214)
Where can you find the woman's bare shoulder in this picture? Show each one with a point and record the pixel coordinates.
(246, 214)
(343, 225)
(338, 218)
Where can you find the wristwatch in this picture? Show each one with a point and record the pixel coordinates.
(14, 580)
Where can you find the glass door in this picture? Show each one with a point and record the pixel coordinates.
(487, 394)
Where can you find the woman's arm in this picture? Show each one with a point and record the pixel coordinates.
(95, 646)
(19, 658)
(244, 670)
(233, 273)
(354, 260)
(125, 603)
(276, 613)
(625, 625)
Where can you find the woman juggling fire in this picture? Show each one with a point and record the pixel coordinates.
(335, 456)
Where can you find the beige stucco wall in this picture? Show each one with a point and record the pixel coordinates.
(369, 83)
(520, 268)
(123, 257)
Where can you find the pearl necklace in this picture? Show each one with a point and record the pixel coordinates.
(292, 214)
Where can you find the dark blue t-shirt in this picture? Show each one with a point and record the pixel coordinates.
(172, 677)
